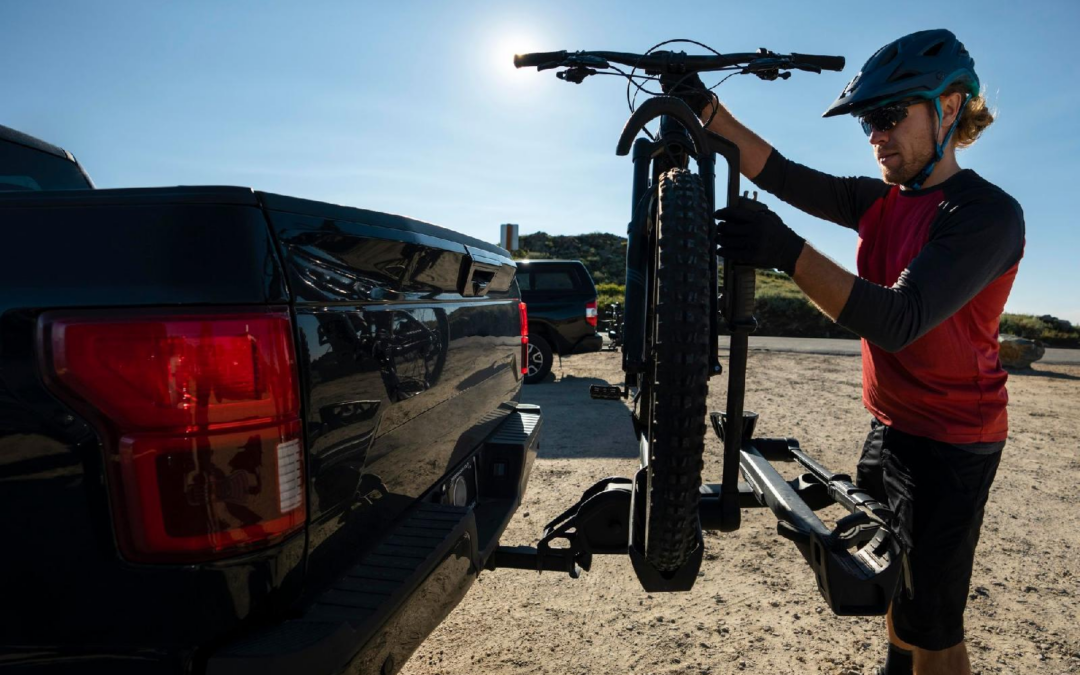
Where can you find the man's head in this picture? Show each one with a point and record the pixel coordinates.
(918, 100)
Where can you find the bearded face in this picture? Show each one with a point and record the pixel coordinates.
(904, 150)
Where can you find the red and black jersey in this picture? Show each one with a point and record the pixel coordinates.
(935, 269)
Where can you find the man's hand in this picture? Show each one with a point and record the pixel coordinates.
(757, 236)
(689, 88)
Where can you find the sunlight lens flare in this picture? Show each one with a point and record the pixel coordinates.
(506, 46)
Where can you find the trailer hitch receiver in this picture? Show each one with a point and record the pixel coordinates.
(598, 524)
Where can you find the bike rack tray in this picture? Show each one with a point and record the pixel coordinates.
(856, 565)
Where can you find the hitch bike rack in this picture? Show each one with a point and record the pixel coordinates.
(856, 564)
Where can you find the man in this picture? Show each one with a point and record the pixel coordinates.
(938, 250)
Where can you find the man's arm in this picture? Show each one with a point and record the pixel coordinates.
(978, 245)
(827, 284)
(839, 200)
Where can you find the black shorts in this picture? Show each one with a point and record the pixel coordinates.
(937, 492)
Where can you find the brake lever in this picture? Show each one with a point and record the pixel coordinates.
(809, 69)
(769, 75)
(768, 68)
(577, 74)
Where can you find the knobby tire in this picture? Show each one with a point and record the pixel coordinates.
(678, 376)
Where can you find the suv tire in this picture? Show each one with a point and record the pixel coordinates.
(539, 359)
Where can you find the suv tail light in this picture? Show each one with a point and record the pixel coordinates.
(201, 416)
(590, 312)
(524, 338)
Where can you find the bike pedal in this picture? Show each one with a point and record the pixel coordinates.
(605, 393)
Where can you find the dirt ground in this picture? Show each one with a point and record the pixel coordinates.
(755, 607)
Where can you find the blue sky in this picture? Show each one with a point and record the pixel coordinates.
(415, 108)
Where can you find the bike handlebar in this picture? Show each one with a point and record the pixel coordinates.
(677, 62)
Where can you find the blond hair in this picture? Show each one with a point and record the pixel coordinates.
(975, 118)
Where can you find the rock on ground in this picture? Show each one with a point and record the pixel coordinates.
(1019, 353)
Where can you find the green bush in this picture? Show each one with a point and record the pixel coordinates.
(774, 284)
(1049, 329)
(610, 289)
(605, 295)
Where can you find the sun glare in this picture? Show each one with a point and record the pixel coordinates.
(505, 46)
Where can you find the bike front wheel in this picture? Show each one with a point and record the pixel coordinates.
(678, 375)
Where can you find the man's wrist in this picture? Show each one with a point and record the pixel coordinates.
(796, 248)
(716, 119)
(799, 267)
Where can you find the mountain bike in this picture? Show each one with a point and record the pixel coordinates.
(677, 300)
(673, 302)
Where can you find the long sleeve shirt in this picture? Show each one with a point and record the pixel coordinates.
(935, 268)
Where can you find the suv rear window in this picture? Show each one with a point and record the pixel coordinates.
(23, 168)
(555, 280)
(553, 277)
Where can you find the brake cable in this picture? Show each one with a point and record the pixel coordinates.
(631, 101)
(578, 72)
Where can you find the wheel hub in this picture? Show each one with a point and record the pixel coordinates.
(536, 359)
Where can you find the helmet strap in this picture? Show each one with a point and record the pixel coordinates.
(939, 148)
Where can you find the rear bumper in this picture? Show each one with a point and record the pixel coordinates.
(589, 343)
(374, 618)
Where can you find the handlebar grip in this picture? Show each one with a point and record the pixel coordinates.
(823, 62)
(537, 58)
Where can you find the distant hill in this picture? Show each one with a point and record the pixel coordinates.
(603, 254)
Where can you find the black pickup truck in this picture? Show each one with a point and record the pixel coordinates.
(242, 432)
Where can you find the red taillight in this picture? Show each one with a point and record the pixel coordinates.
(203, 414)
(524, 312)
(590, 312)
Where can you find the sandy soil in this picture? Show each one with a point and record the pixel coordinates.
(754, 607)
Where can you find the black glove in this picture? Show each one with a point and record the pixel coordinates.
(689, 88)
(756, 236)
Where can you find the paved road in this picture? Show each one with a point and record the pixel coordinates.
(851, 348)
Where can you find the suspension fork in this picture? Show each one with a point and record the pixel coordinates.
(674, 132)
(651, 159)
(637, 251)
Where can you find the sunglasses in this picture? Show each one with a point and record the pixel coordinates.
(885, 118)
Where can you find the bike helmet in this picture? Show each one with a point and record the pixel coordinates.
(917, 66)
(920, 65)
